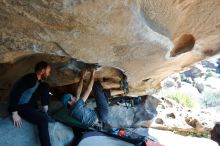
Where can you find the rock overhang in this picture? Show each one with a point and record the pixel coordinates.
(145, 40)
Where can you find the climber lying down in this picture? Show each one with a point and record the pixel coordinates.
(76, 104)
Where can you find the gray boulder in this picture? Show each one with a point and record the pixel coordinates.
(140, 115)
(193, 72)
(27, 135)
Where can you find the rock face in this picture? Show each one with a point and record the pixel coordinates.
(141, 115)
(168, 138)
(136, 36)
(134, 117)
(197, 92)
(172, 116)
(27, 135)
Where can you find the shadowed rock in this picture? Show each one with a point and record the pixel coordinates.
(27, 135)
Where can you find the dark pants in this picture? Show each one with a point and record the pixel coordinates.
(38, 118)
(101, 98)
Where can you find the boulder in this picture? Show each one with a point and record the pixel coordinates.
(215, 133)
(168, 83)
(137, 43)
(169, 138)
(138, 116)
(172, 116)
(27, 135)
(209, 65)
(193, 72)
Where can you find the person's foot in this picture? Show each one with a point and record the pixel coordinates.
(98, 126)
(103, 126)
(106, 126)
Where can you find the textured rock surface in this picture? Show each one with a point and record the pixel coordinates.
(138, 116)
(197, 88)
(171, 139)
(134, 117)
(172, 116)
(166, 138)
(27, 135)
(134, 35)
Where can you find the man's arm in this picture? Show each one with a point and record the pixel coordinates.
(18, 88)
(15, 94)
(89, 88)
(80, 85)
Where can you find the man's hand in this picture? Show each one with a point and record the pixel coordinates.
(16, 119)
(92, 71)
(83, 73)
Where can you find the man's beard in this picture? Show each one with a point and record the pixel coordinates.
(43, 77)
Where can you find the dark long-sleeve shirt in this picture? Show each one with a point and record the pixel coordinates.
(27, 82)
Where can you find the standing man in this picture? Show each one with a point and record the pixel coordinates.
(23, 100)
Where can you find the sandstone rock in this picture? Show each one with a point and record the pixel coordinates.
(181, 118)
(193, 122)
(168, 83)
(202, 90)
(171, 115)
(27, 135)
(183, 44)
(159, 121)
(137, 41)
(170, 139)
(167, 103)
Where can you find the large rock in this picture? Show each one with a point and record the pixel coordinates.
(138, 116)
(173, 116)
(27, 135)
(168, 138)
(135, 36)
(215, 133)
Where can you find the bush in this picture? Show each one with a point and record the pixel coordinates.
(208, 75)
(212, 100)
(193, 133)
(182, 99)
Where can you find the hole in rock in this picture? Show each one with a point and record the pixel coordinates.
(183, 44)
